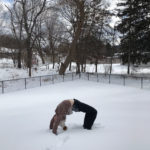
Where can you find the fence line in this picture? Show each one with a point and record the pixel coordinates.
(125, 80)
(26, 83)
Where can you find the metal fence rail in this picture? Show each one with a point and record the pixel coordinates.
(26, 83)
(125, 80)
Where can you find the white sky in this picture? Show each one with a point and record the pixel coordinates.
(112, 7)
(5, 2)
(113, 3)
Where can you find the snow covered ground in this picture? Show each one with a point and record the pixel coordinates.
(7, 71)
(122, 123)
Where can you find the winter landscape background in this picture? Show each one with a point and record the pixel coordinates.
(96, 51)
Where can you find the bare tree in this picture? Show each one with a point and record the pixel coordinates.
(78, 8)
(1, 8)
(17, 28)
(113, 46)
(40, 41)
(30, 12)
(84, 17)
(2, 16)
(54, 30)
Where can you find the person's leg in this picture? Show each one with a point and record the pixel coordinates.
(90, 115)
(89, 118)
(51, 122)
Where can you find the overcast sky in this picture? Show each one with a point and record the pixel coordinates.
(113, 4)
(6, 1)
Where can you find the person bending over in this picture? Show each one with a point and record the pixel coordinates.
(65, 108)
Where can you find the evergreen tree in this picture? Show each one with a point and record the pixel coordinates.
(126, 27)
(143, 25)
(135, 28)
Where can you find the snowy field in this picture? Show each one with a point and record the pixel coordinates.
(122, 123)
(7, 70)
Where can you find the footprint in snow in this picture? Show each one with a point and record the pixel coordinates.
(60, 142)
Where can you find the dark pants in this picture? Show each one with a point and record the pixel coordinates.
(90, 113)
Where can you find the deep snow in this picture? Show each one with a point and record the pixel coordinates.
(122, 123)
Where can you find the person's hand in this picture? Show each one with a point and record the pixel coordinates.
(65, 128)
(54, 132)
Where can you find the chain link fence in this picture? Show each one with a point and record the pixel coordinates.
(125, 80)
(26, 83)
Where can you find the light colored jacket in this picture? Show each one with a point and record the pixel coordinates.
(63, 109)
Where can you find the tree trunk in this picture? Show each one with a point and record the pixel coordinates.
(43, 61)
(41, 55)
(19, 58)
(78, 68)
(53, 52)
(85, 66)
(82, 67)
(96, 61)
(129, 58)
(111, 60)
(70, 66)
(72, 51)
(29, 61)
(29, 56)
(129, 51)
(14, 61)
(53, 59)
(64, 65)
(111, 64)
